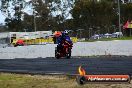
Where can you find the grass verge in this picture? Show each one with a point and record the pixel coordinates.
(48, 81)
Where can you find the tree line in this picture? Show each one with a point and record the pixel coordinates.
(91, 16)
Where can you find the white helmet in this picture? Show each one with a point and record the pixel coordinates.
(66, 32)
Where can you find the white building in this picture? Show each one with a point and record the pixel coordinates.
(29, 35)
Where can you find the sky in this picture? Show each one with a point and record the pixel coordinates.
(2, 18)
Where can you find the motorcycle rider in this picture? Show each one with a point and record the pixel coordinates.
(64, 37)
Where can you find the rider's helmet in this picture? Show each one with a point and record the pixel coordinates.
(65, 32)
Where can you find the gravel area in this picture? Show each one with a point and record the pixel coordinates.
(116, 47)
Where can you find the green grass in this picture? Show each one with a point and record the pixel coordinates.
(39, 81)
(110, 39)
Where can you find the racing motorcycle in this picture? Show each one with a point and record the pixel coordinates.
(65, 51)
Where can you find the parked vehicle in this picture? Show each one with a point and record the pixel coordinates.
(107, 35)
(118, 34)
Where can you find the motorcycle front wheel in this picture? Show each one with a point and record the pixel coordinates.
(68, 54)
(56, 53)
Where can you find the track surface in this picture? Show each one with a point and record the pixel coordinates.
(100, 65)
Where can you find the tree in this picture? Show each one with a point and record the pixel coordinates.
(41, 15)
(48, 14)
(12, 10)
(96, 15)
(60, 10)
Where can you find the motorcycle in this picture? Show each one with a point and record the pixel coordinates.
(65, 51)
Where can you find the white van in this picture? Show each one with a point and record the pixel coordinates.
(117, 34)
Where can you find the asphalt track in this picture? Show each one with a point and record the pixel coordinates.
(96, 65)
